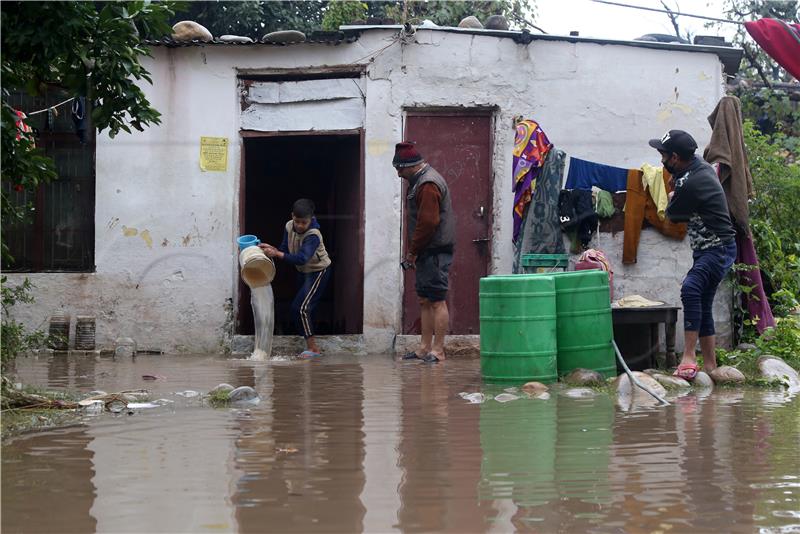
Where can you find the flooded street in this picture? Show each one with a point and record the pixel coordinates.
(348, 444)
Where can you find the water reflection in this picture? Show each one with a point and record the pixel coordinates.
(349, 445)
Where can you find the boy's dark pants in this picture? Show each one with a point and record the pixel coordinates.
(311, 288)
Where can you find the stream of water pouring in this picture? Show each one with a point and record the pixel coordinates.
(263, 302)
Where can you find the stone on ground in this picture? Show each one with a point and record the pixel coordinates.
(671, 382)
(775, 368)
(470, 22)
(534, 388)
(630, 395)
(284, 37)
(496, 22)
(188, 30)
(702, 380)
(725, 374)
(235, 39)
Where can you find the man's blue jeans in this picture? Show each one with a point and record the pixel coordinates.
(700, 285)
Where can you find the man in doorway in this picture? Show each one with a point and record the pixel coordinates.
(698, 199)
(431, 236)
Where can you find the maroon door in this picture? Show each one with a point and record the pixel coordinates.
(458, 145)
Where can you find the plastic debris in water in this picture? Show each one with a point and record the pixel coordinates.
(116, 406)
(511, 390)
(188, 393)
(92, 406)
(473, 398)
(244, 394)
(505, 397)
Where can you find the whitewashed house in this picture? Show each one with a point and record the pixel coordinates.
(319, 119)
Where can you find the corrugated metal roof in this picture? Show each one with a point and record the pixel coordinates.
(328, 38)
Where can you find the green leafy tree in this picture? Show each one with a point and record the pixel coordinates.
(85, 48)
(340, 12)
(254, 18)
(450, 13)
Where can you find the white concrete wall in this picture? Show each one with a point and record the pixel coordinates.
(165, 230)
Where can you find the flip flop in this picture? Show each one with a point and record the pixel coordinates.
(687, 371)
(309, 354)
(410, 356)
(430, 358)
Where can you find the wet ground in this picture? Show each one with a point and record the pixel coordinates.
(350, 444)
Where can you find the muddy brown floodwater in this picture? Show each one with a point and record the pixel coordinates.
(348, 444)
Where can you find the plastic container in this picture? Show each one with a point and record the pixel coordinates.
(84, 332)
(59, 330)
(257, 269)
(544, 263)
(247, 240)
(518, 328)
(584, 324)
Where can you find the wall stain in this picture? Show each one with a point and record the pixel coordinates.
(147, 239)
(112, 222)
(186, 239)
(165, 242)
(129, 232)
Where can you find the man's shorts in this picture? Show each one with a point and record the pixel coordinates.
(432, 270)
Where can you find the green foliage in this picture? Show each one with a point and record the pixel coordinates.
(773, 219)
(776, 113)
(16, 339)
(89, 49)
(254, 18)
(782, 341)
(341, 12)
(450, 13)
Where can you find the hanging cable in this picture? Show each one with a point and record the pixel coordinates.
(676, 13)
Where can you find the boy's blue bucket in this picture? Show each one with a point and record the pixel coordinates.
(247, 241)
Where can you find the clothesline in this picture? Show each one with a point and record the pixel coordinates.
(51, 107)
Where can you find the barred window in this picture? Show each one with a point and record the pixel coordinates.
(58, 234)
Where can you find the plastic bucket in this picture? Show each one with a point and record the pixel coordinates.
(584, 324)
(257, 269)
(247, 241)
(518, 328)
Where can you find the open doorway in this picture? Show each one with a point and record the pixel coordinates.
(327, 168)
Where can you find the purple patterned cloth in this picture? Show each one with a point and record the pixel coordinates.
(756, 300)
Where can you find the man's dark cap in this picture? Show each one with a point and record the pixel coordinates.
(676, 141)
(406, 155)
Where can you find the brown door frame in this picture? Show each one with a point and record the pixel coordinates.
(250, 134)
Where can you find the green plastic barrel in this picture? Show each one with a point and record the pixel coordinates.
(518, 328)
(584, 324)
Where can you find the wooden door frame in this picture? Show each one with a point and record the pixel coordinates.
(254, 134)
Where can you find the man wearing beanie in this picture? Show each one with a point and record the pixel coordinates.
(699, 200)
(431, 236)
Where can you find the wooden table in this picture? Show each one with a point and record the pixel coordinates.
(650, 317)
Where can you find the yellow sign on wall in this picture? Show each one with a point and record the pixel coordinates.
(214, 154)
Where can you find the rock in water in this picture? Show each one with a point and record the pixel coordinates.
(284, 37)
(702, 380)
(725, 374)
(505, 397)
(243, 394)
(579, 393)
(584, 377)
(774, 368)
(534, 388)
(496, 22)
(470, 22)
(630, 395)
(188, 30)
(670, 382)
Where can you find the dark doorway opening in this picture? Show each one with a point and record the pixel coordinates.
(327, 168)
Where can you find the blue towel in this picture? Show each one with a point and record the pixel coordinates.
(584, 174)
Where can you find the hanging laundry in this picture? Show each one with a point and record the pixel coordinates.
(639, 206)
(540, 232)
(779, 39)
(727, 149)
(576, 211)
(531, 146)
(755, 300)
(79, 118)
(654, 184)
(584, 174)
(604, 204)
